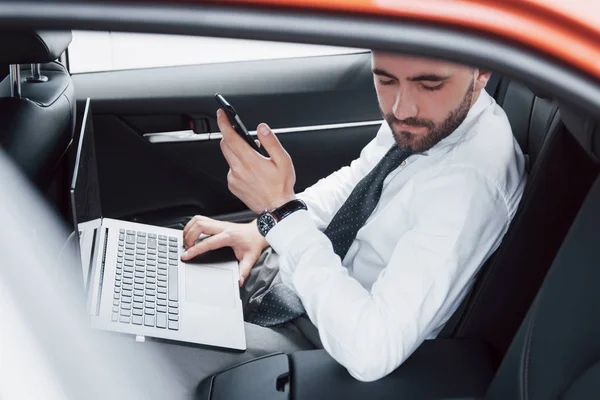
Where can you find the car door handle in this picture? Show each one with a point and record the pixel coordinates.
(176, 136)
(191, 136)
(184, 136)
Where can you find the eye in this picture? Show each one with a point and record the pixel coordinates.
(432, 88)
(386, 83)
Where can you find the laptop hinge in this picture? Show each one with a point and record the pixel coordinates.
(102, 265)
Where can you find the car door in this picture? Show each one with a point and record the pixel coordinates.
(157, 139)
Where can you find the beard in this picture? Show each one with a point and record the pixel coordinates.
(435, 132)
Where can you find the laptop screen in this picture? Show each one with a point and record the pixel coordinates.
(85, 186)
(84, 196)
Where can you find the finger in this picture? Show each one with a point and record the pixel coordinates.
(235, 143)
(232, 159)
(190, 223)
(201, 226)
(224, 125)
(192, 232)
(257, 143)
(208, 244)
(245, 265)
(231, 183)
(272, 144)
(192, 235)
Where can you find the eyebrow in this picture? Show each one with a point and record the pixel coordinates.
(422, 77)
(429, 78)
(378, 71)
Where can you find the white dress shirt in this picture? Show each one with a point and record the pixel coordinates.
(441, 214)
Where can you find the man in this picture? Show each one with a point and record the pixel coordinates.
(421, 209)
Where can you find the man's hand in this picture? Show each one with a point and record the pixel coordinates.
(245, 240)
(261, 183)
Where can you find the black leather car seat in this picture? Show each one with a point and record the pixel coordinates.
(37, 113)
(556, 352)
(510, 279)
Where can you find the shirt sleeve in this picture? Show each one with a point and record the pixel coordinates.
(459, 219)
(325, 197)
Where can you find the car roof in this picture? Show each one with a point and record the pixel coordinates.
(567, 30)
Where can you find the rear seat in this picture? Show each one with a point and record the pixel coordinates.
(560, 325)
(560, 177)
(511, 278)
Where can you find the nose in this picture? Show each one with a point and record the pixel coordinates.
(404, 106)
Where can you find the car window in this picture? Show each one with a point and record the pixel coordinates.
(109, 51)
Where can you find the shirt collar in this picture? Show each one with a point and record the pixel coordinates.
(386, 137)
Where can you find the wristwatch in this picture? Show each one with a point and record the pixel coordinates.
(268, 219)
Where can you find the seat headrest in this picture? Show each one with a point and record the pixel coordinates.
(32, 47)
(539, 90)
(584, 128)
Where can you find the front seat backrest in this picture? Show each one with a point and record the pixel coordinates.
(556, 353)
(37, 117)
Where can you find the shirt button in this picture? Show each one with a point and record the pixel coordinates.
(403, 163)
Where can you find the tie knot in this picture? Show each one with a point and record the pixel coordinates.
(396, 151)
(395, 156)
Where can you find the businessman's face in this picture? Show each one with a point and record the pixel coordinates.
(424, 100)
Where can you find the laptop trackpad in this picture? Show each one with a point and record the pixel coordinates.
(209, 286)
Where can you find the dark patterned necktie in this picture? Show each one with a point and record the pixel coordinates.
(281, 304)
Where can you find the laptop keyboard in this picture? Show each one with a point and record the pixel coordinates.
(146, 288)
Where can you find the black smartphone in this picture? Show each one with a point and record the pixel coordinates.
(238, 125)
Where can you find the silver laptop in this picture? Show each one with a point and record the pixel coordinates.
(135, 281)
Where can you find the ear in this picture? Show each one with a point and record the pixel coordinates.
(481, 79)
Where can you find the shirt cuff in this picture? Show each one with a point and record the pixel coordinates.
(290, 231)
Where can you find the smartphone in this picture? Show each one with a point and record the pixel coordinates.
(238, 125)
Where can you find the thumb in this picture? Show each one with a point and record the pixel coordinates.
(271, 143)
(245, 265)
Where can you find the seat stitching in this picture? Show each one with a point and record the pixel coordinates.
(527, 354)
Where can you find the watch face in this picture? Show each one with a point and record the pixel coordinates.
(265, 223)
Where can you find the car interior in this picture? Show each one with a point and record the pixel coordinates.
(523, 332)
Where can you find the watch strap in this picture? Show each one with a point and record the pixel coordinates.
(291, 206)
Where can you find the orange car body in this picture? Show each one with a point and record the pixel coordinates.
(565, 30)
